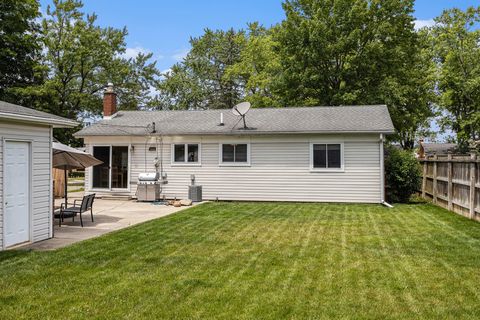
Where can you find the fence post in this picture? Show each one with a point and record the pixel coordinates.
(424, 180)
(473, 158)
(450, 183)
(435, 157)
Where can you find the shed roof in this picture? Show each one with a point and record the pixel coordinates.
(341, 119)
(15, 112)
(439, 148)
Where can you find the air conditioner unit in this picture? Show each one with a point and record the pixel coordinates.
(195, 193)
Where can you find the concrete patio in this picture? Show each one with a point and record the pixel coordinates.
(108, 215)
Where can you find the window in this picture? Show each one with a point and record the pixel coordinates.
(235, 153)
(188, 153)
(327, 156)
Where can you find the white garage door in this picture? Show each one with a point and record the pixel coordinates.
(17, 185)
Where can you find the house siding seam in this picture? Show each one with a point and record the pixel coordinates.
(40, 140)
(279, 169)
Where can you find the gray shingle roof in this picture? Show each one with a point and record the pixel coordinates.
(13, 111)
(439, 148)
(261, 121)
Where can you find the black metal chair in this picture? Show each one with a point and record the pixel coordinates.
(90, 205)
(85, 205)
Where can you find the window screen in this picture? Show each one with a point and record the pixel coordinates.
(192, 153)
(186, 153)
(333, 156)
(179, 153)
(235, 153)
(327, 156)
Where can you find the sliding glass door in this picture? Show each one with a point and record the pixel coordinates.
(119, 167)
(101, 172)
(113, 172)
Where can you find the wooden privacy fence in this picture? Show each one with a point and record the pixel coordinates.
(453, 182)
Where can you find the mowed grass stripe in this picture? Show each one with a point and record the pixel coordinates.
(450, 266)
(258, 261)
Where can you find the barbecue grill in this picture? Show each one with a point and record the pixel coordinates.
(149, 187)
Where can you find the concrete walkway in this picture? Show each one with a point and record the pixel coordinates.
(108, 215)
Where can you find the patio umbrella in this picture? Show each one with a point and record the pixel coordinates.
(67, 158)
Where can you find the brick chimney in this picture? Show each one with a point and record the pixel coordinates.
(109, 101)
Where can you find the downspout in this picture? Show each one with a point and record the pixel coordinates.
(51, 201)
(382, 174)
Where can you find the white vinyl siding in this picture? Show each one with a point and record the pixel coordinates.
(40, 144)
(279, 169)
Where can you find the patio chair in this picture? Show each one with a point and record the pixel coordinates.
(85, 205)
(90, 205)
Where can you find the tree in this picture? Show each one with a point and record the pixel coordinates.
(456, 42)
(354, 52)
(258, 67)
(409, 94)
(80, 59)
(19, 45)
(200, 81)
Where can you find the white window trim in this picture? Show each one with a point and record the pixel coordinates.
(233, 164)
(342, 158)
(110, 189)
(173, 163)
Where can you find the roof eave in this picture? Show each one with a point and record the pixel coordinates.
(239, 132)
(56, 123)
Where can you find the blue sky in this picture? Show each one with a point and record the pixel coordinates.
(164, 27)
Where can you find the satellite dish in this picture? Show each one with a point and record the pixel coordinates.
(241, 109)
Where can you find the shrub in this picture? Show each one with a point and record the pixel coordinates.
(76, 174)
(402, 173)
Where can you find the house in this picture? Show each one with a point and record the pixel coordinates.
(25, 173)
(426, 149)
(324, 154)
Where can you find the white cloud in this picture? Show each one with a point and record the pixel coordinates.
(180, 54)
(133, 52)
(419, 24)
(152, 92)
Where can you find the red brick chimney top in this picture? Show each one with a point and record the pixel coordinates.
(109, 101)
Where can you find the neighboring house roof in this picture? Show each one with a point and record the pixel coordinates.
(341, 119)
(438, 148)
(11, 111)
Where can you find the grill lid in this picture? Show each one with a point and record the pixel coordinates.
(148, 176)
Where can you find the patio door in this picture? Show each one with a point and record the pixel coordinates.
(113, 172)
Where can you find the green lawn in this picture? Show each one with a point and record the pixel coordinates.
(258, 261)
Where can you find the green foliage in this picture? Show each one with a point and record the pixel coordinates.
(456, 43)
(19, 45)
(258, 67)
(403, 174)
(200, 81)
(356, 52)
(323, 53)
(340, 52)
(409, 93)
(79, 59)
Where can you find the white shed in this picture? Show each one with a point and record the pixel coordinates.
(25, 173)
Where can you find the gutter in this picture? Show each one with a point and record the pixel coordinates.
(78, 134)
(56, 123)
